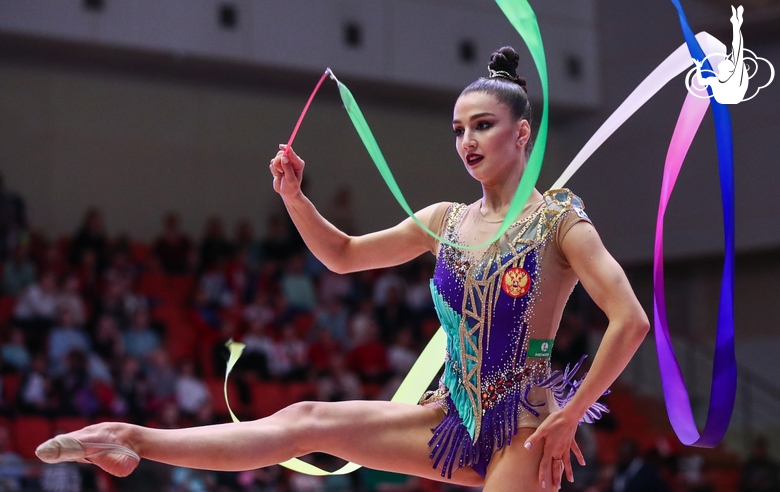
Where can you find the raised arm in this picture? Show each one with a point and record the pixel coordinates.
(335, 249)
(607, 285)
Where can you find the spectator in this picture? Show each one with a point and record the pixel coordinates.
(297, 287)
(36, 311)
(64, 339)
(388, 281)
(259, 348)
(241, 278)
(18, 271)
(52, 261)
(133, 390)
(173, 247)
(760, 473)
(361, 323)
(12, 469)
(14, 351)
(338, 383)
(391, 315)
(369, 358)
(290, 360)
(245, 241)
(36, 388)
(191, 392)
(121, 268)
(400, 355)
(69, 299)
(73, 387)
(633, 474)
(333, 316)
(91, 237)
(214, 286)
(334, 286)
(38, 304)
(62, 477)
(13, 220)
(140, 339)
(276, 246)
(162, 377)
(108, 340)
(214, 247)
(260, 310)
(418, 291)
(321, 351)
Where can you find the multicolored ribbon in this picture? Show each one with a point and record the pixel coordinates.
(430, 361)
(724, 370)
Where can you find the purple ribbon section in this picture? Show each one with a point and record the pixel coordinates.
(724, 371)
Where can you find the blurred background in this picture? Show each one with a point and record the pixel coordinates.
(139, 230)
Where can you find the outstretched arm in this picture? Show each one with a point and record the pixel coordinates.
(338, 251)
(607, 285)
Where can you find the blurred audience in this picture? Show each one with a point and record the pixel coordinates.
(173, 247)
(760, 473)
(120, 331)
(18, 271)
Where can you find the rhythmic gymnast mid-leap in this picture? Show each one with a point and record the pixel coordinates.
(500, 417)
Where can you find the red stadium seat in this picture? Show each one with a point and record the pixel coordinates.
(7, 305)
(140, 253)
(69, 424)
(267, 398)
(29, 432)
(11, 383)
(216, 389)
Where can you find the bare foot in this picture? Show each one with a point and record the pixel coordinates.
(109, 445)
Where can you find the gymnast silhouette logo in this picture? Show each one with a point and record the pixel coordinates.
(730, 83)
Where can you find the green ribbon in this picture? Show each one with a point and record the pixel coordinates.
(522, 17)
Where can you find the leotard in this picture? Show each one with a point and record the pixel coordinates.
(500, 309)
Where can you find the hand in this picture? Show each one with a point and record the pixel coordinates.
(287, 172)
(558, 432)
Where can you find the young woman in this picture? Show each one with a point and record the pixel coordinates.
(500, 307)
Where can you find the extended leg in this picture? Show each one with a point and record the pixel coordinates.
(381, 435)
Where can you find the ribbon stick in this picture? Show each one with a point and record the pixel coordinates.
(305, 110)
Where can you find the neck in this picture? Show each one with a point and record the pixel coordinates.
(497, 196)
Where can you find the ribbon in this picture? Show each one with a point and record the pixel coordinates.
(430, 361)
(414, 384)
(724, 369)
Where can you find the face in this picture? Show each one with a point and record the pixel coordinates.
(488, 139)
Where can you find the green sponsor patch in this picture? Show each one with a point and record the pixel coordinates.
(541, 349)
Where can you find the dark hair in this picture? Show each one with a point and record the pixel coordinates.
(505, 85)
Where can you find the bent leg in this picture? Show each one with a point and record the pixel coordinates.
(515, 468)
(377, 434)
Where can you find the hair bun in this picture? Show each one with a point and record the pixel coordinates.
(504, 63)
(505, 60)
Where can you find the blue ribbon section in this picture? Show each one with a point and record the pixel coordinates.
(724, 371)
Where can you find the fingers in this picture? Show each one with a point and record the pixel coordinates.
(294, 159)
(566, 467)
(558, 467)
(546, 471)
(576, 450)
(534, 438)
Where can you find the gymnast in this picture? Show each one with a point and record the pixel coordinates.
(500, 418)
